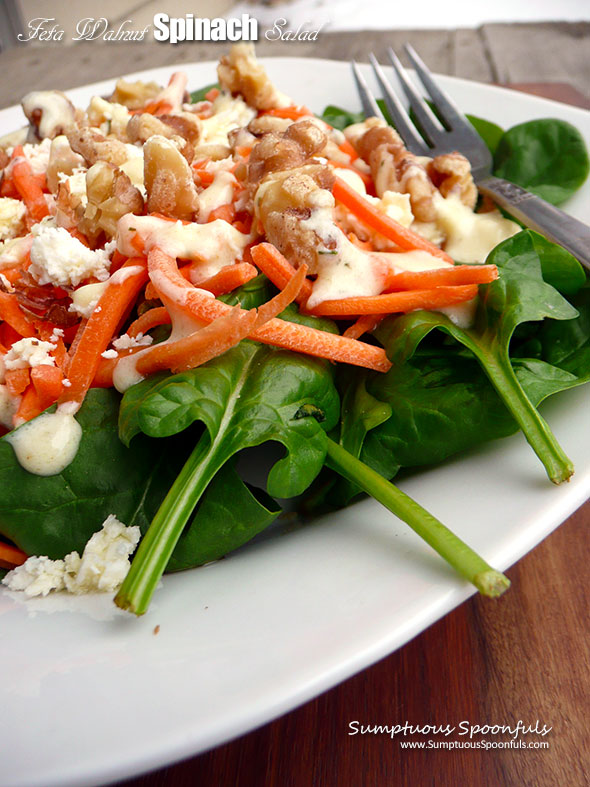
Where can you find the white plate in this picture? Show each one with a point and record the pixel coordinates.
(91, 695)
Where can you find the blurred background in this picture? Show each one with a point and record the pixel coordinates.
(517, 42)
(330, 15)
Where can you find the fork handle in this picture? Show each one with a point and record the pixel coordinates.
(541, 216)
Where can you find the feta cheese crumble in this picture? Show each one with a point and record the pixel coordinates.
(29, 352)
(12, 218)
(102, 568)
(60, 259)
(126, 342)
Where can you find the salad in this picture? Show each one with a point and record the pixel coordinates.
(182, 281)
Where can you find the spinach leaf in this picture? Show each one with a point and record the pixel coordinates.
(519, 295)
(547, 157)
(246, 397)
(56, 514)
(488, 131)
(229, 514)
(250, 295)
(341, 118)
(251, 395)
(560, 268)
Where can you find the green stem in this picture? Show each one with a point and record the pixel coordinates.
(534, 427)
(464, 560)
(156, 547)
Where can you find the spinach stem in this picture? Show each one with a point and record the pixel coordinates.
(461, 557)
(534, 427)
(156, 547)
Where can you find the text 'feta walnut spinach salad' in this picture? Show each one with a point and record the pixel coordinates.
(183, 279)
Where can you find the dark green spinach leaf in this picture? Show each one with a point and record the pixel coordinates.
(547, 157)
(56, 514)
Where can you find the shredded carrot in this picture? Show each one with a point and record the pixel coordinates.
(201, 345)
(290, 113)
(101, 326)
(346, 147)
(364, 324)
(226, 212)
(212, 94)
(228, 279)
(48, 383)
(218, 336)
(28, 186)
(383, 223)
(459, 274)
(16, 380)
(277, 268)
(243, 151)
(11, 556)
(395, 302)
(205, 176)
(29, 406)
(291, 336)
(148, 320)
(12, 313)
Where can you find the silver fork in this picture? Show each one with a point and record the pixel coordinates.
(433, 138)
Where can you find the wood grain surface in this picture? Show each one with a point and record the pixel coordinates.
(524, 657)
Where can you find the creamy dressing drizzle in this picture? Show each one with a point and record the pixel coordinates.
(219, 192)
(48, 444)
(213, 245)
(470, 236)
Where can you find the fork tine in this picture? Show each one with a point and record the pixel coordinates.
(370, 106)
(445, 106)
(426, 118)
(404, 126)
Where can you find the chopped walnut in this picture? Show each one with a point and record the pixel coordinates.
(168, 180)
(240, 72)
(110, 196)
(451, 174)
(286, 197)
(134, 95)
(396, 169)
(265, 124)
(93, 147)
(289, 150)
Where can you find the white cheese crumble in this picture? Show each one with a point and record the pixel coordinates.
(37, 576)
(126, 342)
(102, 568)
(109, 354)
(12, 218)
(36, 155)
(77, 183)
(28, 353)
(60, 259)
(228, 113)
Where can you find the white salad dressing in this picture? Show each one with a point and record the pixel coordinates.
(219, 192)
(48, 444)
(213, 245)
(471, 236)
(343, 269)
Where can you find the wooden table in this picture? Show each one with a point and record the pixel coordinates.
(526, 656)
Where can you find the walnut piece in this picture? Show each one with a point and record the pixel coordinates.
(240, 73)
(168, 180)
